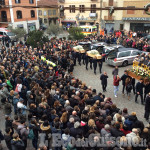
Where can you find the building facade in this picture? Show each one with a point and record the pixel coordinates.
(19, 13)
(136, 20)
(77, 15)
(47, 15)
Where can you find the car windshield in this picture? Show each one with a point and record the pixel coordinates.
(10, 34)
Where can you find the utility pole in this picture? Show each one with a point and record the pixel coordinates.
(100, 20)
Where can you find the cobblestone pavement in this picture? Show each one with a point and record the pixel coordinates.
(93, 80)
(121, 101)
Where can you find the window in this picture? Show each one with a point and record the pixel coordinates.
(17, 1)
(19, 14)
(134, 53)
(2, 2)
(31, 1)
(45, 13)
(1, 33)
(72, 8)
(32, 14)
(54, 12)
(40, 12)
(49, 12)
(111, 2)
(124, 54)
(81, 8)
(93, 8)
(130, 11)
(45, 20)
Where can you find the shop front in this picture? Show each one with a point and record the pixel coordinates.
(137, 24)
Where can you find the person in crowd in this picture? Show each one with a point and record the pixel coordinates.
(139, 91)
(147, 107)
(95, 64)
(123, 78)
(86, 61)
(115, 71)
(103, 79)
(128, 85)
(116, 81)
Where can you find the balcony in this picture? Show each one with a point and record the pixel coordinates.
(93, 15)
(109, 18)
(62, 1)
(5, 20)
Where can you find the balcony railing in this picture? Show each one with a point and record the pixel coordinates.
(5, 20)
(109, 18)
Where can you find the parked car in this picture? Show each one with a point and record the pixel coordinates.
(5, 32)
(122, 56)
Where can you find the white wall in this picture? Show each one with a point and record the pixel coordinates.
(126, 25)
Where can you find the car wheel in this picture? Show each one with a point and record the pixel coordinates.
(125, 63)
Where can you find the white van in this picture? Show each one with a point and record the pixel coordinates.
(4, 32)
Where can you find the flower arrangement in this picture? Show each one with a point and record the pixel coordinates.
(139, 71)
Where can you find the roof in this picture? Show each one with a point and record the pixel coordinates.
(47, 3)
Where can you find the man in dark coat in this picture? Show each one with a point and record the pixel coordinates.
(147, 107)
(79, 58)
(123, 78)
(139, 91)
(95, 64)
(146, 90)
(86, 61)
(100, 62)
(103, 79)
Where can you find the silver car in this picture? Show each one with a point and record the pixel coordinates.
(122, 57)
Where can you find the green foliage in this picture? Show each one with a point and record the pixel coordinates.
(36, 36)
(19, 32)
(54, 29)
(76, 33)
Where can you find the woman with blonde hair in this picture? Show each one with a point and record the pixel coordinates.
(64, 119)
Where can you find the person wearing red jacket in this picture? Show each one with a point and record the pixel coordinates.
(116, 84)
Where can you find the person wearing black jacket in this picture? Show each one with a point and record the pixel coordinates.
(147, 107)
(146, 90)
(100, 62)
(139, 91)
(123, 78)
(86, 61)
(8, 137)
(103, 79)
(95, 64)
(91, 60)
(133, 85)
(79, 58)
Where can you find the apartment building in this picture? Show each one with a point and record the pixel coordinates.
(47, 15)
(136, 20)
(77, 14)
(19, 13)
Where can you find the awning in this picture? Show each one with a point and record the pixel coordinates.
(68, 21)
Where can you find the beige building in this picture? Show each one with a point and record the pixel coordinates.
(77, 15)
(136, 20)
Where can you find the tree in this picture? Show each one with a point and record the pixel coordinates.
(76, 33)
(19, 32)
(54, 29)
(35, 37)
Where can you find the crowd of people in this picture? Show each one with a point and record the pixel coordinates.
(39, 101)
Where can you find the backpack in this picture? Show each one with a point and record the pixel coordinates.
(31, 134)
(128, 123)
(129, 87)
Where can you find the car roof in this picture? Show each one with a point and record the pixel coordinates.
(126, 49)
